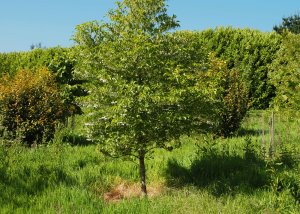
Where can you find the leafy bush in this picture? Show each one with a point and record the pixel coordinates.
(60, 61)
(235, 104)
(31, 105)
(249, 51)
(231, 96)
(227, 88)
(285, 73)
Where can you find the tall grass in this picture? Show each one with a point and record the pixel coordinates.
(205, 175)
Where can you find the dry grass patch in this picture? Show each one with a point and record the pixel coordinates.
(125, 190)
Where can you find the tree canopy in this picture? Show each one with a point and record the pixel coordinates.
(146, 90)
(291, 24)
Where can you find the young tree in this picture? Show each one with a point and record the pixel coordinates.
(146, 89)
(231, 96)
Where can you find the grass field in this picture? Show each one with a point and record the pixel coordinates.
(205, 175)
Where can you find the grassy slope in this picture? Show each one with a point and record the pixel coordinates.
(219, 176)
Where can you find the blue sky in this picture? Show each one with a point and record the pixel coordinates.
(52, 22)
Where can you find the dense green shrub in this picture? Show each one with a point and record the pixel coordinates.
(60, 61)
(12, 62)
(9, 62)
(31, 105)
(230, 98)
(248, 51)
(236, 103)
(285, 73)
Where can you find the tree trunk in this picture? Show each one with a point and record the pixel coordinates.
(143, 174)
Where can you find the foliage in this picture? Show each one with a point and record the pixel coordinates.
(60, 61)
(290, 23)
(142, 96)
(248, 51)
(236, 104)
(63, 65)
(9, 62)
(285, 73)
(31, 105)
(231, 96)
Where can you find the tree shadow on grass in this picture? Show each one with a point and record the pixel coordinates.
(77, 140)
(16, 187)
(220, 174)
(243, 132)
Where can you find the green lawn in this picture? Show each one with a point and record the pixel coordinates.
(205, 175)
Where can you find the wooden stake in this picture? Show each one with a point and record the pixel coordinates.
(272, 132)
